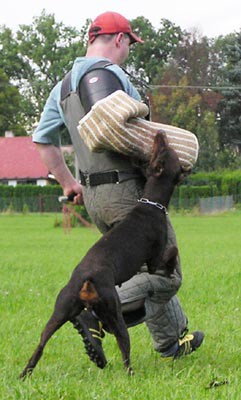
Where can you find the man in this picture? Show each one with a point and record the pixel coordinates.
(149, 298)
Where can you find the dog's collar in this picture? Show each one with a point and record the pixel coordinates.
(158, 205)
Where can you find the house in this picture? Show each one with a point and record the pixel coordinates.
(20, 161)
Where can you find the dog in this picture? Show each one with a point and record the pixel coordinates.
(140, 238)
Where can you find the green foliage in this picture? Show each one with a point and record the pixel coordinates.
(158, 47)
(25, 209)
(192, 59)
(25, 198)
(178, 107)
(10, 111)
(186, 196)
(32, 198)
(12, 61)
(230, 131)
(204, 178)
(232, 182)
(207, 134)
(50, 48)
(218, 178)
(202, 184)
(201, 61)
(35, 58)
(186, 109)
(70, 160)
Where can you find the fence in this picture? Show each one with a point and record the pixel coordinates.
(215, 204)
(49, 203)
(37, 203)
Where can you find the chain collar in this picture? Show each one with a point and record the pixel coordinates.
(158, 205)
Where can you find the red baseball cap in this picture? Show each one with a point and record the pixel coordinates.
(111, 22)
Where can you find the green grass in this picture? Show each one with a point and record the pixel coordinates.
(36, 260)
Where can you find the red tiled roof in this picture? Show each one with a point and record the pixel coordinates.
(19, 159)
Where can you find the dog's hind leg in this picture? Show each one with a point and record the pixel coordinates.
(52, 326)
(66, 307)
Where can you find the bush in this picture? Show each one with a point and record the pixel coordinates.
(34, 198)
(221, 183)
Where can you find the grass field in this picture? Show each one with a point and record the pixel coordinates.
(36, 260)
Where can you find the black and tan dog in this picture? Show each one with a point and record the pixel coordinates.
(140, 238)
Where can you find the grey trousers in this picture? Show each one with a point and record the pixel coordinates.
(107, 205)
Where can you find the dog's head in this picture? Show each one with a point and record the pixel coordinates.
(164, 160)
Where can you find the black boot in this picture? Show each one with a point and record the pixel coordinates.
(184, 346)
(92, 333)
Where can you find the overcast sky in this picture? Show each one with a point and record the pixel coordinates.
(211, 17)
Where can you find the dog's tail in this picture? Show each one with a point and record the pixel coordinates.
(88, 293)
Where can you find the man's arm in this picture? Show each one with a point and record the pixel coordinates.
(53, 159)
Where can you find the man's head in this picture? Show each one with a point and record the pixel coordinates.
(111, 23)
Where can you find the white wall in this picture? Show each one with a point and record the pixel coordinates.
(12, 183)
(41, 182)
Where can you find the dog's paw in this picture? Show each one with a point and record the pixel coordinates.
(130, 371)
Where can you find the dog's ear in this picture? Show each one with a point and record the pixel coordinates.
(158, 153)
(170, 259)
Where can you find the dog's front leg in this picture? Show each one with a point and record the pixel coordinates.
(123, 340)
(117, 326)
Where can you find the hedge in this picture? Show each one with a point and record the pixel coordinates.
(203, 185)
(30, 197)
(186, 195)
(227, 182)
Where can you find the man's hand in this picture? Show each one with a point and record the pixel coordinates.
(54, 160)
(74, 194)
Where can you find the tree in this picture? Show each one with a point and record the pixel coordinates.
(192, 58)
(174, 63)
(10, 113)
(11, 61)
(50, 49)
(37, 58)
(230, 106)
(158, 47)
(207, 133)
(177, 105)
(182, 107)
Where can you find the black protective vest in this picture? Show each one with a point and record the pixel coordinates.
(74, 110)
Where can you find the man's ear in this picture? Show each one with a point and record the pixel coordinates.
(119, 38)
